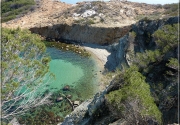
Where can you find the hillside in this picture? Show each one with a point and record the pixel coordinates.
(96, 13)
(141, 69)
(15, 9)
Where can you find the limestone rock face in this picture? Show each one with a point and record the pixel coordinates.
(129, 45)
(87, 113)
(82, 33)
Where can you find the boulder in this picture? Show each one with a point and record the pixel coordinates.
(76, 103)
(66, 88)
(58, 99)
(69, 96)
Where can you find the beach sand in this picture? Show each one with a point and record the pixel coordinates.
(99, 55)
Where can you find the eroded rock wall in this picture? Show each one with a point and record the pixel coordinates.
(82, 33)
(96, 111)
(142, 40)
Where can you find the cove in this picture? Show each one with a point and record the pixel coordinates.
(74, 70)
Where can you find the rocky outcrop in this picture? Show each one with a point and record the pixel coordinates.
(140, 41)
(96, 111)
(88, 112)
(82, 33)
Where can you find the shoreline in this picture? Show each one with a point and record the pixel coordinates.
(99, 55)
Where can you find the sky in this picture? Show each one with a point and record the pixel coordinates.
(140, 1)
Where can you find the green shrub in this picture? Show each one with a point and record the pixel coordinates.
(90, 21)
(135, 90)
(10, 9)
(166, 38)
(173, 63)
(133, 34)
(171, 9)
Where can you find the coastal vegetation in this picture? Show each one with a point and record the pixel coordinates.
(12, 9)
(169, 11)
(24, 65)
(144, 92)
(134, 101)
(25, 93)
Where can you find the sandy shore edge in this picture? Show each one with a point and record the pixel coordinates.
(99, 54)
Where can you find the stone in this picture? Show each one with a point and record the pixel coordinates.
(58, 99)
(76, 102)
(76, 15)
(69, 96)
(88, 13)
(66, 88)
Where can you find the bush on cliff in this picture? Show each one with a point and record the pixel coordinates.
(133, 101)
(160, 67)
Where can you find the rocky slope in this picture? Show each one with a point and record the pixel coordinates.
(98, 111)
(96, 13)
(89, 22)
(45, 9)
(104, 23)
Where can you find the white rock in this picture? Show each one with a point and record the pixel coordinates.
(76, 14)
(76, 102)
(88, 13)
(121, 11)
(101, 14)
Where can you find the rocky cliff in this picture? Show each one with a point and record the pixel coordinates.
(140, 41)
(82, 33)
(97, 110)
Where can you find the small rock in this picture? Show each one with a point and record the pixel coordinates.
(76, 103)
(69, 96)
(59, 99)
(66, 88)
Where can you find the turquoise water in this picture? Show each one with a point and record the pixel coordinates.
(69, 69)
(73, 70)
(65, 73)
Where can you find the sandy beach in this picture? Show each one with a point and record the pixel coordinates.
(98, 52)
(100, 55)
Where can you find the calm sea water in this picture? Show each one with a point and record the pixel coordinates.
(73, 70)
(69, 69)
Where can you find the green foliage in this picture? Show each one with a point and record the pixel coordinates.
(160, 69)
(171, 9)
(154, 16)
(143, 59)
(24, 64)
(166, 38)
(133, 34)
(90, 21)
(173, 63)
(135, 89)
(11, 8)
